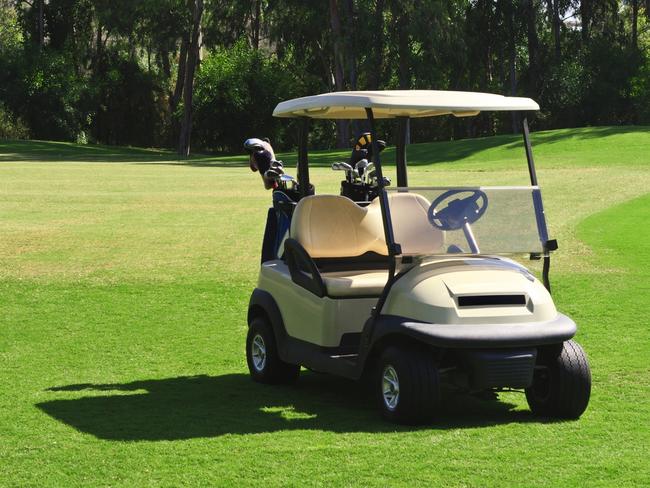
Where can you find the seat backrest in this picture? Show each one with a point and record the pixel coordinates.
(331, 226)
(411, 227)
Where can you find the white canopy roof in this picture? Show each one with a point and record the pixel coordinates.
(399, 103)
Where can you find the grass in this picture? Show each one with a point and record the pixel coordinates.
(124, 280)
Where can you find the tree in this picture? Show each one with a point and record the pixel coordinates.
(196, 7)
(534, 58)
(79, 69)
(342, 126)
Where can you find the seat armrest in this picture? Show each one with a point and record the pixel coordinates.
(302, 268)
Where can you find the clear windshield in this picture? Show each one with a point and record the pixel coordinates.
(468, 220)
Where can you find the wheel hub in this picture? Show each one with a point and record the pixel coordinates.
(390, 387)
(258, 352)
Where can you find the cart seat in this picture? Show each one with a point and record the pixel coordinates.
(349, 283)
(334, 227)
(411, 227)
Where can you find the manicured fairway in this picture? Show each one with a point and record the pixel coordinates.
(124, 281)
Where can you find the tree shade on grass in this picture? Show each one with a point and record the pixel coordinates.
(123, 291)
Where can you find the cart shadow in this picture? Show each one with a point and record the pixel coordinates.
(212, 406)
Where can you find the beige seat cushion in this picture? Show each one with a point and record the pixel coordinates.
(332, 226)
(411, 226)
(355, 283)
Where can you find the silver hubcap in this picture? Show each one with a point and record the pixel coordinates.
(258, 351)
(390, 387)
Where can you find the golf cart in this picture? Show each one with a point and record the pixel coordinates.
(414, 290)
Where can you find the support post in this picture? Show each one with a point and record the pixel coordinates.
(400, 151)
(529, 152)
(303, 161)
(548, 245)
(394, 249)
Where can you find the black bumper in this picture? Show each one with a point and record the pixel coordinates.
(474, 336)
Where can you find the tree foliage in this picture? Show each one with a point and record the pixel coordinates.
(122, 72)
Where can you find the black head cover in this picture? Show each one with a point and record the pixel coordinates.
(262, 158)
(363, 148)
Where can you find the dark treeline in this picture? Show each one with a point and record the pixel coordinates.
(208, 73)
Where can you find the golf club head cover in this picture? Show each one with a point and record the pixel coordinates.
(363, 148)
(261, 159)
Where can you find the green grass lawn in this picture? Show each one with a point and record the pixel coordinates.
(124, 281)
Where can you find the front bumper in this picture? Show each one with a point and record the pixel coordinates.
(475, 336)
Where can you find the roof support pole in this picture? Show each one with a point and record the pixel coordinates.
(400, 151)
(393, 248)
(529, 152)
(303, 162)
(548, 245)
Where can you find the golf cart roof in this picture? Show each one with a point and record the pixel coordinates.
(390, 104)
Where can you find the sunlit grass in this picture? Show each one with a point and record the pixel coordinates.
(124, 281)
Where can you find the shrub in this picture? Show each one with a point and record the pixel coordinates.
(235, 93)
(45, 89)
(125, 104)
(11, 127)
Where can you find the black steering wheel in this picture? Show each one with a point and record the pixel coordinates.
(459, 211)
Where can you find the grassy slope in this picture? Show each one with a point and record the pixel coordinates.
(123, 289)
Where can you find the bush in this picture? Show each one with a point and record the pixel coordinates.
(11, 127)
(641, 92)
(562, 95)
(126, 104)
(45, 89)
(235, 93)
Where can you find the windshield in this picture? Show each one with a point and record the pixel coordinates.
(468, 220)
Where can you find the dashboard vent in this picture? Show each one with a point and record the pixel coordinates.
(491, 300)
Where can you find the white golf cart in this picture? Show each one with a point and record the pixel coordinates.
(413, 290)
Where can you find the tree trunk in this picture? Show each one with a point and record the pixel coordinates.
(533, 48)
(40, 27)
(192, 63)
(512, 55)
(557, 24)
(350, 44)
(404, 51)
(350, 53)
(337, 37)
(256, 24)
(98, 47)
(377, 48)
(585, 20)
(635, 23)
(165, 65)
(180, 75)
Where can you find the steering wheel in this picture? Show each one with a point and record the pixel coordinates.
(459, 211)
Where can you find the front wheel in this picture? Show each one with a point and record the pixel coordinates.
(264, 363)
(561, 383)
(407, 385)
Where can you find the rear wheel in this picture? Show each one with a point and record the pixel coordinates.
(264, 364)
(561, 383)
(407, 385)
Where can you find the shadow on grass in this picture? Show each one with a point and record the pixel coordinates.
(52, 151)
(63, 151)
(417, 154)
(211, 406)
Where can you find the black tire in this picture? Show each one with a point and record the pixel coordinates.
(418, 397)
(561, 383)
(270, 370)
